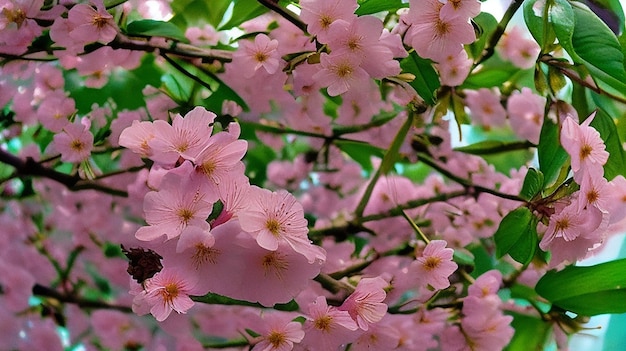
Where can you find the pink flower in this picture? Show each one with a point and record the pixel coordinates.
(167, 291)
(435, 265)
(270, 277)
(519, 49)
(526, 111)
(185, 137)
(279, 333)
(454, 69)
(91, 24)
(178, 204)
(340, 73)
(55, 111)
(252, 56)
(585, 147)
(487, 284)
(485, 107)
(569, 223)
(137, 138)
(460, 8)
(277, 217)
(75, 142)
(320, 14)
(220, 159)
(365, 305)
(327, 327)
(433, 36)
(484, 325)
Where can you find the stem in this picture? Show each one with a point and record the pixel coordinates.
(181, 49)
(415, 227)
(286, 14)
(184, 71)
(497, 34)
(386, 163)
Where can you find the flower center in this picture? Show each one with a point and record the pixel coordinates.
(585, 151)
(273, 226)
(276, 339)
(204, 254)
(77, 145)
(432, 263)
(323, 323)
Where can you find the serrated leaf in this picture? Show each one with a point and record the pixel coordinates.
(426, 80)
(153, 28)
(515, 235)
(533, 184)
(369, 7)
(587, 291)
(551, 154)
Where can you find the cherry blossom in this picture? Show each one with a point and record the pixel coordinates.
(365, 305)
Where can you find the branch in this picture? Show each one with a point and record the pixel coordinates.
(45, 291)
(30, 167)
(286, 14)
(181, 49)
(497, 34)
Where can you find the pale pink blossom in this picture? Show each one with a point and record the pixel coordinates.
(340, 73)
(435, 265)
(327, 327)
(569, 223)
(320, 14)
(454, 69)
(516, 47)
(205, 36)
(487, 284)
(277, 217)
(485, 107)
(91, 23)
(137, 138)
(433, 36)
(270, 277)
(179, 203)
(585, 146)
(460, 8)
(526, 111)
(75, 142)
(167, 291)
(251, 56)
(278, 333)
(55, 111)
(186, 137)
(484, 325)
(365, 305)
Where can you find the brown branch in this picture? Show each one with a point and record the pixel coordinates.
(45, 291)
(286, 14)
(30, 167)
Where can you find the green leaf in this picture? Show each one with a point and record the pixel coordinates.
(535, 23)
(244, 10)
(490, 75)
(587, 291)
(360, 152)
(596, 47)
(551, 154)
(561, 15)
(369, 7)
(533, 184)
(197, 13)
(489, 147)
(487, 24)
(605, 125)
(463, 257)
(517, 235)
(426, 80)
(152, 28)
(216, 299)
(531, 333)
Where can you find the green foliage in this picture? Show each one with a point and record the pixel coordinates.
(361, 152)
(426, 80)
(368, 7)
(149, 28)
(616, 164)
(189, 13)
(244, 10)
(551, 154)
(530, 333)
(517, 235)
(587, 291)
(533, 184)
(487, 25)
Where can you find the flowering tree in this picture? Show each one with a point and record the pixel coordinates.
(312, 175)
